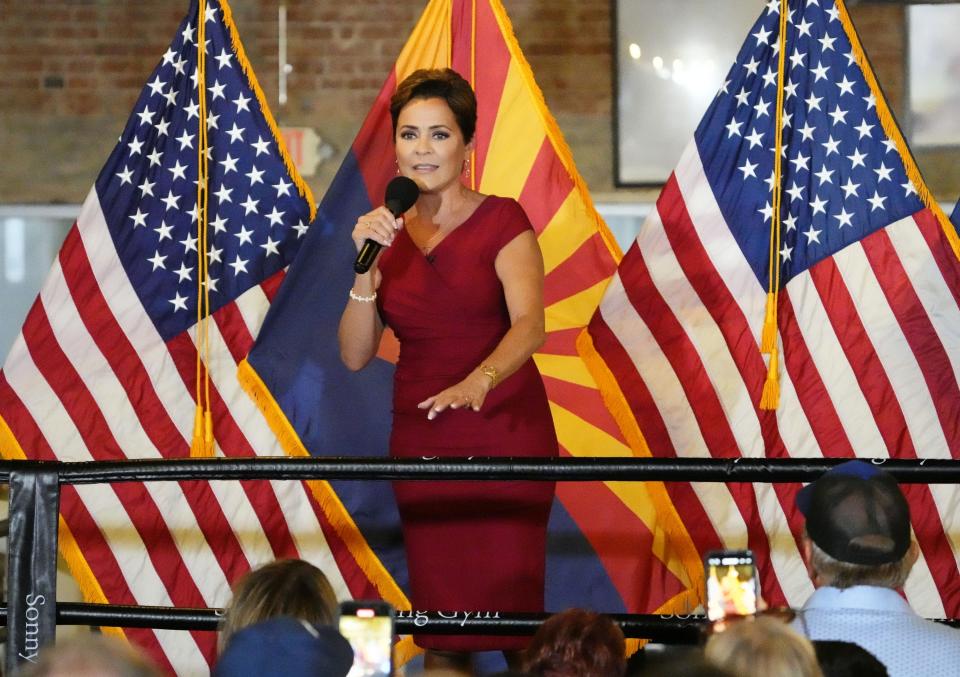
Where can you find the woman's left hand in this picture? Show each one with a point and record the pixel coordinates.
(470, 392)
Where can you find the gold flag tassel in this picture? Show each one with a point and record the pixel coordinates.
(770, 397)
(768, 336)
(202, 445)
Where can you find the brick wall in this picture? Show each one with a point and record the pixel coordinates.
(71, 70)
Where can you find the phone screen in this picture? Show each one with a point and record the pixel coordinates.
(731, 584)
(369, 629)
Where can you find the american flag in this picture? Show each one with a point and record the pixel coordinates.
(868, 317)
(104, 367)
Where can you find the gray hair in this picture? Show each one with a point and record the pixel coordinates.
(843, 575)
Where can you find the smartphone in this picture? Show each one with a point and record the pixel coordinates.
(731, 584)
(368, 626)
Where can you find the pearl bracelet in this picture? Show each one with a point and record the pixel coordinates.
(363, 299)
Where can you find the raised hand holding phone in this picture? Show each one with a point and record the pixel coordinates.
(369, 627)
(731, 582)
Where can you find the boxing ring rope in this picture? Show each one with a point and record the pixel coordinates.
(666, 629)
(761, 470)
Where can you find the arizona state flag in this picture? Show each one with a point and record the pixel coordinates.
(608, 541)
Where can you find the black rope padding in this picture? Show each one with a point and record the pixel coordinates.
(761, 470)
(684, 629)
(667, 629)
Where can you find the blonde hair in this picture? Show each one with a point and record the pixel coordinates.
(763, 647)
(286, 587)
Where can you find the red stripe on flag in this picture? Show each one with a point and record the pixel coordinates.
(811, 392)
(547, 187)
(919, 331)
(271, 285)
(96, 552)
(941, 250)
(655, 433)
(491, 74)
(618, 536)
(234, 331)
(590, 264)
(561, 342)
(729, 319)
(719, 302)
(699, 391)
(586, 403)
(152, 415)
(232, 440)
(99, 557)
(882, 400)
(98, 439)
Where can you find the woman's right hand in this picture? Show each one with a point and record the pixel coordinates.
(378, 225)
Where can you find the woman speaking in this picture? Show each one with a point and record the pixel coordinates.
(460, 282)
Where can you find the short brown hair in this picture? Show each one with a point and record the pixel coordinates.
(286, 587)
(438, 83)
(577, 643)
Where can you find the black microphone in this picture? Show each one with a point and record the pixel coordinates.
(400, 195)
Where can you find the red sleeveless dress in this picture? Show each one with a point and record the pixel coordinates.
(471, 546)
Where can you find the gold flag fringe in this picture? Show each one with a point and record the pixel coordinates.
(891, 129)
(247, 70)
(671, 524)
(329, 502)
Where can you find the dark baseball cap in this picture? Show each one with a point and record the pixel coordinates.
(856, 513)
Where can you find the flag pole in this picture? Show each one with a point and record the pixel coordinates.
(202, 444)
(770, 397)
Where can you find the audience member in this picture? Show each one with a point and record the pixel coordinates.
(577, 643)
(287, 587)
(846, 659)
(285, 646)
(858, 550)
(763, 647)
(91, 655)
